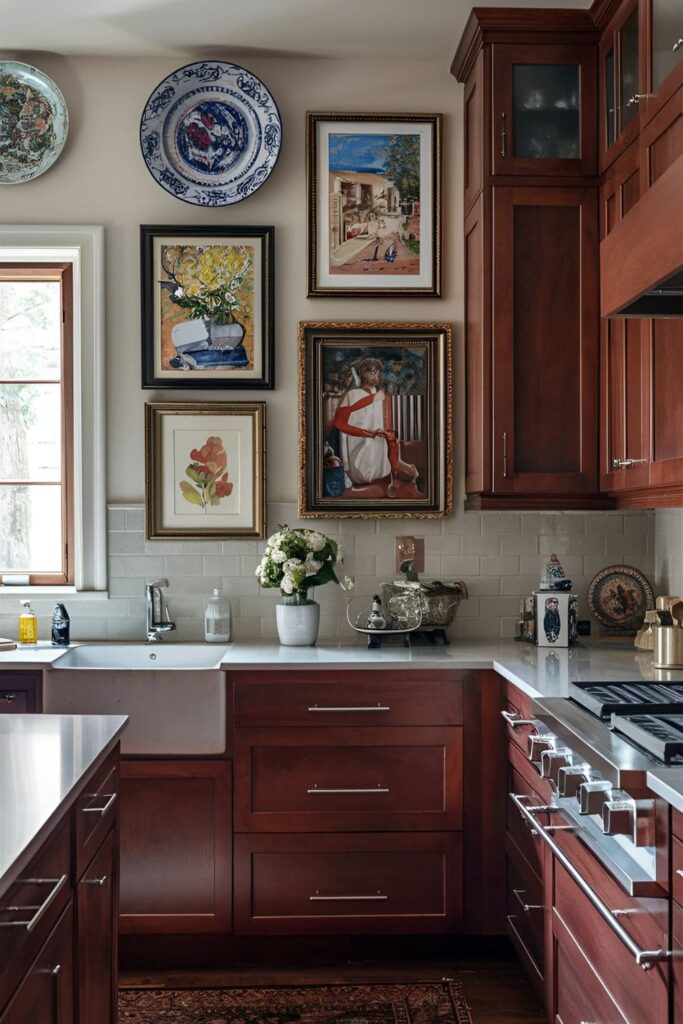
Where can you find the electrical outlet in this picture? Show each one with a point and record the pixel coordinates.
(583, 627)
(409, 547)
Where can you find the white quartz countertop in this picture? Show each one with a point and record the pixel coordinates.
(43, 761)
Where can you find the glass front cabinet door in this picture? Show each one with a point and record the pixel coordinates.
(621, 87)
(544, 108)
(666, 34)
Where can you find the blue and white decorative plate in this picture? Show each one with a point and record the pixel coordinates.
(210, 133)
(33, 122)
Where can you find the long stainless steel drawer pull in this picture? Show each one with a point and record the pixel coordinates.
(95, 881)
(376, 789)
(339, 899)
(57, 886)
(516, 723)
(100, 810)
(370, 707)
(645, 958)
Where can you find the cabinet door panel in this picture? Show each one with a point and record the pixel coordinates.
(580, 995)
(96, 909)
(667, 387)
(175, 846)
(46, 995)
(544, 110)
(289, 780)
(545, 341)
(348, 884)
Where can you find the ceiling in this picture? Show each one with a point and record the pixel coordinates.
(404, 29)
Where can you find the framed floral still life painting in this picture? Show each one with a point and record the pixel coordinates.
(374, 204)
(207, 307)
(375, 414)
(205, 470)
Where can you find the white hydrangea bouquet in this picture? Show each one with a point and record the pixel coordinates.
(295, 561)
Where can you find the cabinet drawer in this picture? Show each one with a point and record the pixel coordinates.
(580, 996)
(529, 845)
(96, 916)
(640, 995)
(348, 884)
(677, 872)
(289, 780)
(46, 992)
(525, 904)
(365, 699)
(96, 813)
(37, 899)
(15, 702)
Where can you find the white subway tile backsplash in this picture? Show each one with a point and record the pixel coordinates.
(498, 554)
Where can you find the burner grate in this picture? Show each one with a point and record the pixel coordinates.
(607, 699)
(660, 735)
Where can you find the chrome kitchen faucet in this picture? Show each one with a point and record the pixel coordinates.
(158, 618)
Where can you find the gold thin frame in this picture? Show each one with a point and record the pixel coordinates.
(154, 411)
(375, 330)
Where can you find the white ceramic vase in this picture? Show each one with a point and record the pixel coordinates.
(297, 624)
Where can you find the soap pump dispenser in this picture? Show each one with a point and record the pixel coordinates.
(218, 618)
(28, 624)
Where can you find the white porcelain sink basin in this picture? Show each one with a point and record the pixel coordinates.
(143, 656)
(174, 694)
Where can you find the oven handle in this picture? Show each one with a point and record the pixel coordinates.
(645, 958)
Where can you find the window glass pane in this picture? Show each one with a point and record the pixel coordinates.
(30, 428)
(628, 79)
(30, 330)
(609, 98)
(546, 111)
(667, 38)
(31, 528)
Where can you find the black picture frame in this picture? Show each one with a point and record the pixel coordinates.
(257, 344)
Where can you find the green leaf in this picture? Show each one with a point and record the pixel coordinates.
(190, 493)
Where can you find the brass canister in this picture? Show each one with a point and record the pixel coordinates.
(668, 647)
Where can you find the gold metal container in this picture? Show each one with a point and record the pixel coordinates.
(668, 647)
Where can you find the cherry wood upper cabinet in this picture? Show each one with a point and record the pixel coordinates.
(544, 106)
(622, 81)
(545, 341)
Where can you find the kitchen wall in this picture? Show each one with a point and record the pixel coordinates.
(669, 550)
(102, 179)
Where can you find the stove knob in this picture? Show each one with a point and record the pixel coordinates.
(592, 795)
(537, 744)
(618, 817)
(570, 777)
(553, 760)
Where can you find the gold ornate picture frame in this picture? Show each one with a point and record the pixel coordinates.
(375, 420)
(205, 470)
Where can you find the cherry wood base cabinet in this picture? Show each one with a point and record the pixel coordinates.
(176, 847)
(63, 968)
(20, 693)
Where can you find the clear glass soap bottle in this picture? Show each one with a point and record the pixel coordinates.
(218, 619)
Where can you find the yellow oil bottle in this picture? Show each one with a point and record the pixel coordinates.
(28, 624)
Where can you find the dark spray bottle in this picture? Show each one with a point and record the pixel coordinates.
(60, 626)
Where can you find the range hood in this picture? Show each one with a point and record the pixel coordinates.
(641, 260)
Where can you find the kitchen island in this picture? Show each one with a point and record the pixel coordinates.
(58, 867)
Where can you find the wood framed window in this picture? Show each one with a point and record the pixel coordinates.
(36, 422)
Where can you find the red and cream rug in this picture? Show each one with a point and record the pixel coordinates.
(422, 1003)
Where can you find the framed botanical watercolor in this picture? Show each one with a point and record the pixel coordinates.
(374, 204)
(375, 420)
(205, 470)
(207, 307)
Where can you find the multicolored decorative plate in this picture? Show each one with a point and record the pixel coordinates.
(618, 598)
(210, 133)
(33, 122)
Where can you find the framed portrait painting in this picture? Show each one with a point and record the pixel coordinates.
(205, 470)
(374, 204)
(207, 307)
(375, 415)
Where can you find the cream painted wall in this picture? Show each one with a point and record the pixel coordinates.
(101, 178)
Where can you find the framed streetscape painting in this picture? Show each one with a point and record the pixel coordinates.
(375, 420)
(205, 470)
(374, 195)
(207, 307)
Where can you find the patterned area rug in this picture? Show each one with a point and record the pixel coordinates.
(423, 1003)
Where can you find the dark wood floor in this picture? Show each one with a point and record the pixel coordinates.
(495, 986)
